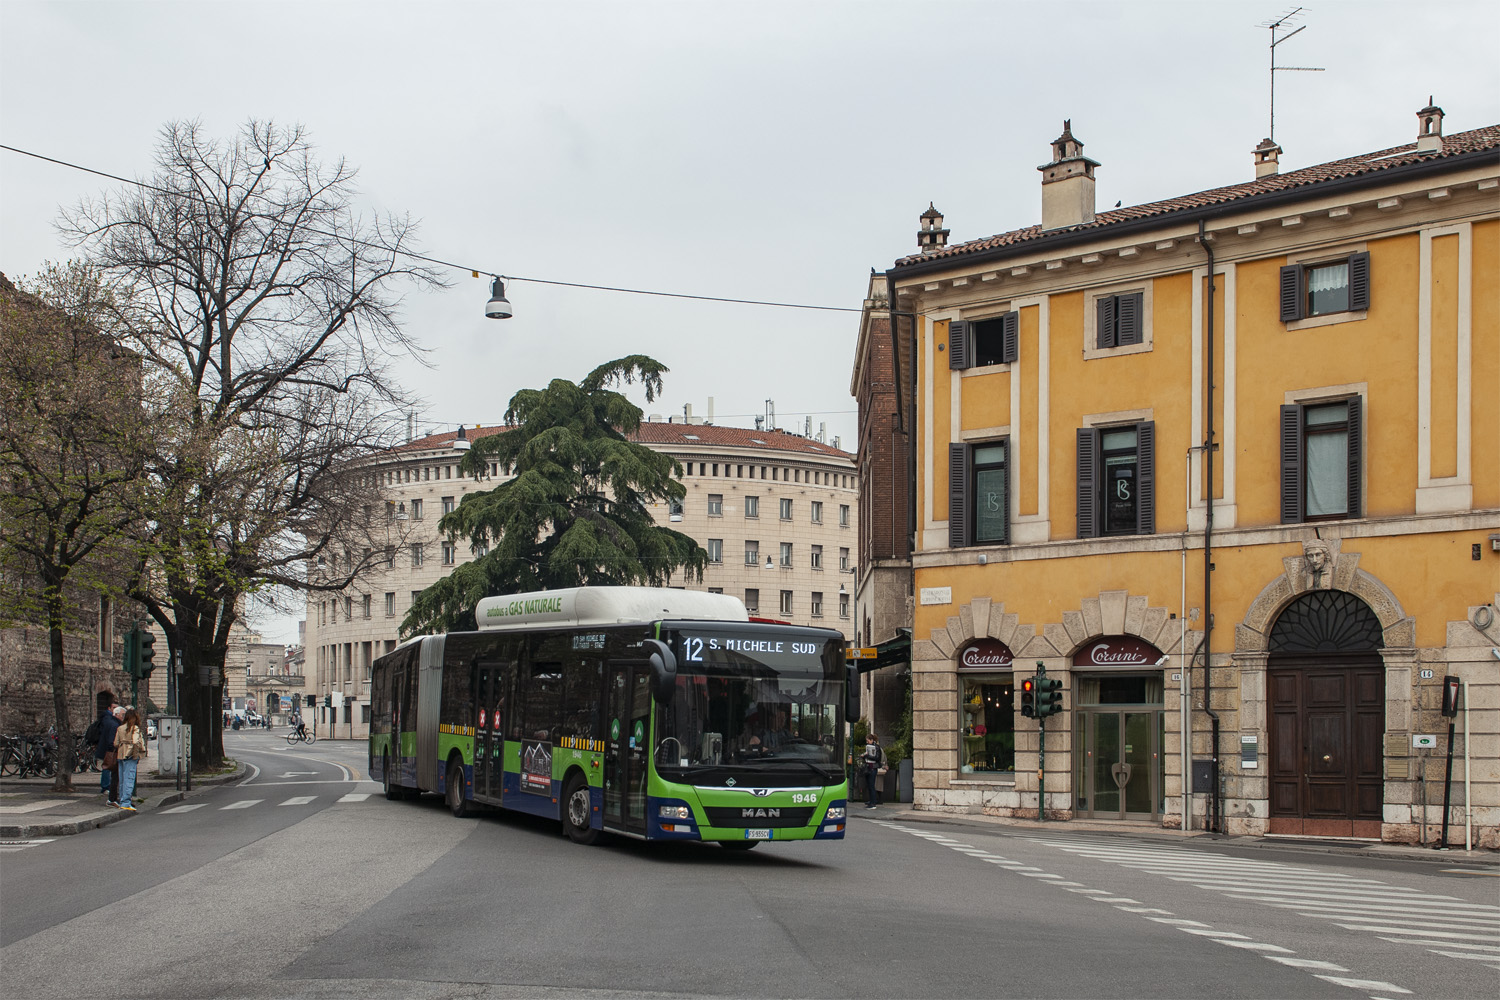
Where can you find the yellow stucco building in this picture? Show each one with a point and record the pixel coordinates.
(1271, 407)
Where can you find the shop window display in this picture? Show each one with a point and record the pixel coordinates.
(987, 713)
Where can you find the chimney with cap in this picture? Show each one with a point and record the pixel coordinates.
(1067, 183)
(932, 236)
(1266, 155)
(1430, 128)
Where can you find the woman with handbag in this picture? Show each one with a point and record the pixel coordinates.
(130, 747)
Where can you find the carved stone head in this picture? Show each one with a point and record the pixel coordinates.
(1318, 560)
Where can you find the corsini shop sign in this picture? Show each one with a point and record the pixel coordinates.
(985, 654)
(1116, 651)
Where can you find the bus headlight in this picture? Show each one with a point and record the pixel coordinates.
(674, 812)
(835, 812)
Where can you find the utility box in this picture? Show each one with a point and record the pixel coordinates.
(168, 736)
(1204, 776)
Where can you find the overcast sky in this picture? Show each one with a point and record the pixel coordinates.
(751, 150)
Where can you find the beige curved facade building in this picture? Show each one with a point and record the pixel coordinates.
(776, 512)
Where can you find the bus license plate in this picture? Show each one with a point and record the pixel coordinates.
(757, 834)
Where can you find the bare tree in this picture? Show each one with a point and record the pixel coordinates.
(268, 309)
(73, 444)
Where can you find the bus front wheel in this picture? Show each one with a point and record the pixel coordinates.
(578, 807)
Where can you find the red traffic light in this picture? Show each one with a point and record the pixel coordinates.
(1028, 698)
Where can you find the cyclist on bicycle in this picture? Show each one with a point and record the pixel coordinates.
(301, 727)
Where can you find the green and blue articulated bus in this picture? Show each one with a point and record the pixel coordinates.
(650, 713)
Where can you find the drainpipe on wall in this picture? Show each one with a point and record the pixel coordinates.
(907, 427)
(1213, 818)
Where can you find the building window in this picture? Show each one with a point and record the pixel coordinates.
(1329, 287)
(716, 505)
(843, 560)
(978, 494)
(1119, 320)
(390, 604)
(843, 605)
(977, 343)
(817, 557)
(987, 736)
(716, 590)
(365, 605)
(786, 508)
(416, 510)
(817, 512)
(752, 601)
(390, 557)
(416, 555)
(482, 549)
(348, 609)
(786, 555)
(450, 553)
(1321, 459)
(752, 506)
(1117, 480)
(752, 553)
(843, 515)
(716, 550)
(447, 505)
(817, 604)
(786, 602)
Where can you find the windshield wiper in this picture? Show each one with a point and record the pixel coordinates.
(815, 768)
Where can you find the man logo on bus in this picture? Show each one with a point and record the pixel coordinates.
(760, 813)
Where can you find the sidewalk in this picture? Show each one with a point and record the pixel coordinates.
(29, 808)
(903, 812)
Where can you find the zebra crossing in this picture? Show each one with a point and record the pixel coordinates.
(1444, 925)
(295, 800)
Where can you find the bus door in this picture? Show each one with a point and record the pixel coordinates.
(488, 739)
(627, 733)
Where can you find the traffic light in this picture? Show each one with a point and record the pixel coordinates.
(145, 653)
(1048, 697)
(1028, 698)
(131, 654)
(1450, 696)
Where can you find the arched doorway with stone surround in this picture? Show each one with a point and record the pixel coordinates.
(1324, 656)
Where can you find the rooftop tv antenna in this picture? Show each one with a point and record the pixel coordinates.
(1284, 24)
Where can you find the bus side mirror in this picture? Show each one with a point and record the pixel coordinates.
(663, 670)
(851, 693)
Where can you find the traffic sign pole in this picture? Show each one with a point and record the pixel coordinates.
(1041, 751)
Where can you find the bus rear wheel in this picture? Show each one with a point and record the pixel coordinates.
(577, 810)
(453, 783)
(392, 793)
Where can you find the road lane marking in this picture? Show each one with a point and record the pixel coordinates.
(1307, 963)
(1255, 946)
(1363, 984)
(1419, 932)
(184, 809)
(242, 804)
(355, 797)
(27, 808)
(1211, 932)
(298, 800)
(9, 846)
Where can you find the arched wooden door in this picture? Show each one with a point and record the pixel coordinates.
(1325, 688)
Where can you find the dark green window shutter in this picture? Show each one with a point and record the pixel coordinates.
(1010, 339)
(1128, 318)
(958, 495)
(1359, 283)
(1356, 451)
(958, 344)
(1292, 295)
(1005, 504)
(1088, 501)
(1291, 464)
(1145, 478)
(1105, 329)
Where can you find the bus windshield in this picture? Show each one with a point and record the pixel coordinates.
(765, 699)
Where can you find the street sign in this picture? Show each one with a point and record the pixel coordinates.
(861, 653)
(1423, 741)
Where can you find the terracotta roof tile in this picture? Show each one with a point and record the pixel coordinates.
(707, 435)
(1463, 142)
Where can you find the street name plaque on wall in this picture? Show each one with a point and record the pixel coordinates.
(985, 654)
(937, 595)
(1116, 651)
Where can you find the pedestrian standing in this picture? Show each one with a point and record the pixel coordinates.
(130, 747)
(104, 750)
(873, 760)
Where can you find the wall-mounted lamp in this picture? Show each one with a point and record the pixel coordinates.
(768, 562)
(1164, 658)
(842, 590)
(498, 306)
(461, 443)
(401, 512)
(1495, 543)
(1496, 652)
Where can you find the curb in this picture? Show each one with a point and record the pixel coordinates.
(1389, 852)
(102, 818)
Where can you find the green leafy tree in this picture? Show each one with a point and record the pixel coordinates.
(576, 512)
(74, 440)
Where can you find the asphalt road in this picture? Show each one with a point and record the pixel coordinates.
(304, 881)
